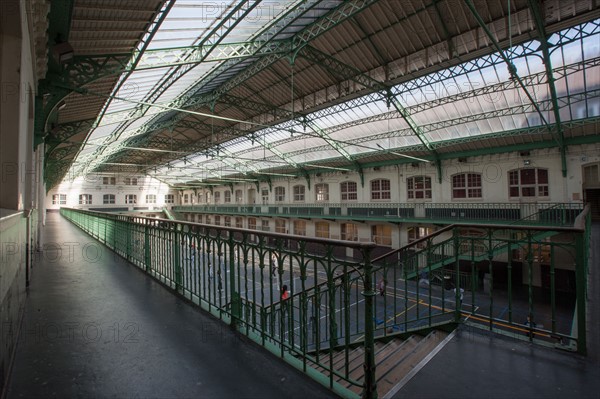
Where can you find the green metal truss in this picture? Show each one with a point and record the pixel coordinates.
(216, 35)
(323, 24)
(543, 37)
(348, 72)
(514, 74)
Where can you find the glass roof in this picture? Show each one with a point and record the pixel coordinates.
(466, 101)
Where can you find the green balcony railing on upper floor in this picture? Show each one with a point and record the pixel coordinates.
(338, 301)
(541, 213)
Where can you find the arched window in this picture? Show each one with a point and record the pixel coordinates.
(418, 187)
(380, 189)
(528, 183)
(348, 191)
(85, 199)
(466, 185)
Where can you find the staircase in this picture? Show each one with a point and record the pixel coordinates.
(394, 359)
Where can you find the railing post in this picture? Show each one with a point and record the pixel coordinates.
(580, 276)
(235, 295)
(456, 242)
(177, 255)
(370, 388)
(147, 246)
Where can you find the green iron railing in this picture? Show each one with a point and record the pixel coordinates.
(543, 214)
(335, 301)
(488, 279)
(238, 275)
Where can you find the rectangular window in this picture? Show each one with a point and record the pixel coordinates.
(528, 183)
(227, 197)
(208, 219)
(186, 198)
(59, 199)
(349, 232)
(381, 234)
(238, 197)
(108, 199)
(252, 223)
(109, 180)
(280, 226)
(265, 225)
(169, 199)
(218, 220)
(150, 199)
(299, 193)
(217, 197)
(239, 222)
(227, 221)
(300, 227)
(131, 199)
(265, 196)
(130, 181)
(322, 230)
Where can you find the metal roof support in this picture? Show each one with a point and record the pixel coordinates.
(543, 37)
(511, 67)
(345, 71)
(336, 146)
(216, 35)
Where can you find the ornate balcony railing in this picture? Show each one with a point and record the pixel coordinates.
(339, 296)
(541, 213)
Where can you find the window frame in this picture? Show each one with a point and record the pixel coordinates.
(537, 186)
(85, 199)
(108, 199)
(346, 192)
(381, 193)
(130, 199)
(322, 195)
(280, 194)
(150, 196)
(299, 193)
(467, 186)
(412, 190)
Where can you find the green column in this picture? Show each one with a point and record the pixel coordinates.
(370, 388)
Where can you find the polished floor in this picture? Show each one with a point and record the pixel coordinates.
(96, 326)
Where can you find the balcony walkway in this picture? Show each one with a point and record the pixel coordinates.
(96, 326)
(476, 364)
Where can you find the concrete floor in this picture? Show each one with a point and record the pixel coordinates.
(96, 326)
